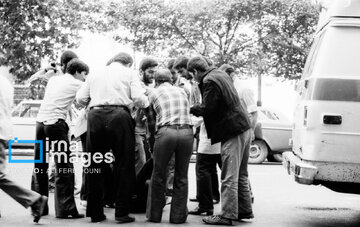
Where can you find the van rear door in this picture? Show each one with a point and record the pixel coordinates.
(332, 120)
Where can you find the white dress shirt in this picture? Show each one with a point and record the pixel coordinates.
(113, 85)
(205, 146)
(246, 95)
(59, 95)
(6, 101)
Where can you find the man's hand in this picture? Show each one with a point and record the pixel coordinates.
(197, 111)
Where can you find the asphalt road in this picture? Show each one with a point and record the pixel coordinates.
(279, 201)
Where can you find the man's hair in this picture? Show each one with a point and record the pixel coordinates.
(198, 63)
(227, 68)
(148, 63)
(181, 62)
(170, 64)
(67, 56)
(163, 75)
(76, 65)
(123, 58)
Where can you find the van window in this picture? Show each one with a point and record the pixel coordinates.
(339, 52)
(309, 65)
(337, 90)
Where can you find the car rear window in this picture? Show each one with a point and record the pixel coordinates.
(337, 90)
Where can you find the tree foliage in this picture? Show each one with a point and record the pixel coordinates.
(257, 36)
(32, 30)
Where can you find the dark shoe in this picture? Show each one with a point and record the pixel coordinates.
(71, 216)
(217, 220)
(194, 200)
(124, 219)
(177, 222)
(216, 201)
(245, 216)
(98, 219)
(200, 211)
(154, 221)
(109, 205)
(37, 208)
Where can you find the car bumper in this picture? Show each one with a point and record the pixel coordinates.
(313, 172)
(304, 173)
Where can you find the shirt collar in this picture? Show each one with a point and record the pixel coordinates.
(206, 73)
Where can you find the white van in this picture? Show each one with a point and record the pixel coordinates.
(326, 130)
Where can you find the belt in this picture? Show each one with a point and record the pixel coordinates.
(102, 107)
(177, 126)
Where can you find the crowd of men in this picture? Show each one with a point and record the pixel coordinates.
(148, 121)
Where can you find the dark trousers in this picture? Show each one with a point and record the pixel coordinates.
(64, 170)
(168, 141)
(22, 195)
(113, 129)
(207, 185)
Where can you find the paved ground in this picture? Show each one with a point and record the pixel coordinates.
(278, 202)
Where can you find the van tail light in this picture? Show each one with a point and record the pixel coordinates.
(305, 115)
(332, 119)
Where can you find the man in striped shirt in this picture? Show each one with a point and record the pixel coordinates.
(169, 112)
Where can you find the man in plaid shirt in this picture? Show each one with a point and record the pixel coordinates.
(169, 112)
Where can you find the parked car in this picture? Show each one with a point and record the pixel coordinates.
(272, 136)
(24, 120)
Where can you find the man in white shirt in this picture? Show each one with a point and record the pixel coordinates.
(52, 129)
(25, 197)
(111, 94)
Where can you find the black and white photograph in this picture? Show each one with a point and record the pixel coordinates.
(180, 113)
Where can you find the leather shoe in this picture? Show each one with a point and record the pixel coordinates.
(37, 208)
(98, 219)
(124, 219)
(217, 220)
(109, 205)
(200, 211)
(246, 216)
(71, 216)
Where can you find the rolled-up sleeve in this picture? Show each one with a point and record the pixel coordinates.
(83, 94)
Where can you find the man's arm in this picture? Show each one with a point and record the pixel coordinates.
(83, 94)
(211, 98)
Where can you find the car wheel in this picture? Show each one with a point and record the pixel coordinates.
(278, 157)
(258, 152)
(274, 157)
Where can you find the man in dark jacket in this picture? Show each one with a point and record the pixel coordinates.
(226, 122)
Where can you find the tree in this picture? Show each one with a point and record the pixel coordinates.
(36, 29)
(256, 36)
